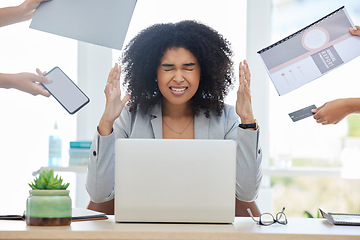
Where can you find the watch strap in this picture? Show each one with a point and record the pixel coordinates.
(248, 125)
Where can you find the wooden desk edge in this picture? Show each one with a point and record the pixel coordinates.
(149, 235)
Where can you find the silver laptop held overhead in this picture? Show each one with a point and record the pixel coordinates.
(100, 22)
(168, 180)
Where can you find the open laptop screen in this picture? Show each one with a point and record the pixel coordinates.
(168, 180)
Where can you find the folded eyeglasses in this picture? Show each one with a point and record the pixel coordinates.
(267, 219)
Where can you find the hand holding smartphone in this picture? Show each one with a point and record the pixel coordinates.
(65, 91)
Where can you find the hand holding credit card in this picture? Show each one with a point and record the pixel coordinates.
(302, 113)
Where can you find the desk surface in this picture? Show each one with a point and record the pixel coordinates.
(242, 228)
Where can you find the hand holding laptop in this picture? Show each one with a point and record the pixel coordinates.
(23, 12)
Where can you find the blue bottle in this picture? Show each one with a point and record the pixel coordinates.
(55, 147)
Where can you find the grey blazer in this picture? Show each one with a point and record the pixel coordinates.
(100, 178)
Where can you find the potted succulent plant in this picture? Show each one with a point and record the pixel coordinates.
(49, 203)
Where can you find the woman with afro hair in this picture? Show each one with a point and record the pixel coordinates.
(177, 76)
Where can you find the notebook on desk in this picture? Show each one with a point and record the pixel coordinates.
(77, 214)
(168, 180)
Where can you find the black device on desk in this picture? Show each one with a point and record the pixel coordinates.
(65, 91)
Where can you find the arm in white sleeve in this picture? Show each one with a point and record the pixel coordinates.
(101, 176)
(101, 166)
(248, 157)
(248, 164)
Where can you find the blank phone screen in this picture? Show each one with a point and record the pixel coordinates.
(65, 91)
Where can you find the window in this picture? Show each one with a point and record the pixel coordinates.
(306, 143)
(26, 120)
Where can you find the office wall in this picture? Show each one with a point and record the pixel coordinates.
(94, 64)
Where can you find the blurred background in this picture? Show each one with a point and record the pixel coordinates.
(302, 161)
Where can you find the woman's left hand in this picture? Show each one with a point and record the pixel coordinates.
(243, 101)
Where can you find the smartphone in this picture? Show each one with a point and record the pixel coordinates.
(65, 91)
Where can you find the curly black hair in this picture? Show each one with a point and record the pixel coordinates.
(143, 54)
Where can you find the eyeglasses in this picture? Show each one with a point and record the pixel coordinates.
(268, 219)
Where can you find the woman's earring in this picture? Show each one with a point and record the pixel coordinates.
(155, 79)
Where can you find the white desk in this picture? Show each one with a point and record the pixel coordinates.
(303, 172)
(243, 228)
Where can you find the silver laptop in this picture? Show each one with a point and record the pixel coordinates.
(168, 180)
(100, 22)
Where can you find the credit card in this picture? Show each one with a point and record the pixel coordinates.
(302, 113)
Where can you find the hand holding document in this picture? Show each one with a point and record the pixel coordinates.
(311, 52)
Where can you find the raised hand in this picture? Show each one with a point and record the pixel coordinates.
(243, 102)
(114, 103)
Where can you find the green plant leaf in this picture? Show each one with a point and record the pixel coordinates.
(308, 214)
(46, 180)
(319, 214)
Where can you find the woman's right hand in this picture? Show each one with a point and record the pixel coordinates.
(114, 103)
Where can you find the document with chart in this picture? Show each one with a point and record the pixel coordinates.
(311, 52)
